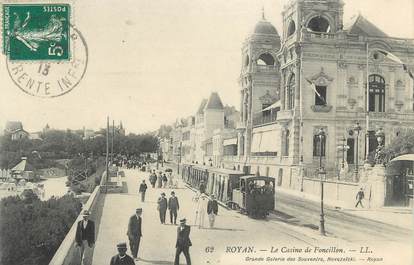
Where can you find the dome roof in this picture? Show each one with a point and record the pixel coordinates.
(265, 27)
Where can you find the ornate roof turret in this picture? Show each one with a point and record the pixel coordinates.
(214, 102)
(264, 27)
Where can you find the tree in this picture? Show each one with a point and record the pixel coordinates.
(164, 131)
(32, 230)
(402, 144)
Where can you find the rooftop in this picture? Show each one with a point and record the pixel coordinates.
(361, 26)
(214, 102)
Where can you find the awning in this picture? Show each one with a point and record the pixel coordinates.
(407, 157)
(273, 106)
(256, 139)
(20, 166)
(265, 142)
(230, 141)
(269, 141)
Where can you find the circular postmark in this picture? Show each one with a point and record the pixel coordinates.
(48, 79)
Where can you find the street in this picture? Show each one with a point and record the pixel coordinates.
(338, 223)
(235, 240)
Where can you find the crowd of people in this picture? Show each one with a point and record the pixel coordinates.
(206, 207)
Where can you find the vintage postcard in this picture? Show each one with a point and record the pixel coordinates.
(206, 132)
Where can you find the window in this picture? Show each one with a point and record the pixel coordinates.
(266, 59)
(246, 60)
(376, 93)
(319, 24)
(320, 100)
(291, 28)
(318, 146)
(290, 92)
(285, 150)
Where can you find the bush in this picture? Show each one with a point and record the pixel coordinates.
(32, 230)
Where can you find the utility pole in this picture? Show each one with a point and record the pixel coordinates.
(107, 151)
(179, 158)
(112, 142)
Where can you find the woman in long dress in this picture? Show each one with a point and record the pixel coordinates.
(201, 210)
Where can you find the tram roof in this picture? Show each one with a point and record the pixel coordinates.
(216, 170)
(407, 157)
(254, 177)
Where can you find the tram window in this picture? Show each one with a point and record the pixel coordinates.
(242, 186)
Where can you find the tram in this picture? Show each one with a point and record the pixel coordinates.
(255, 195)
(217, 181)
(252, 195)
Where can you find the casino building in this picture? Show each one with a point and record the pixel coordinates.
(313, 75)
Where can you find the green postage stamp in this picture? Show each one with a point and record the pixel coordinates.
(33, 32)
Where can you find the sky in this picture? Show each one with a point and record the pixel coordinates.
(151, 62)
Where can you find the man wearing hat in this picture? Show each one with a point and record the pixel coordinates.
(85, 234)
(122, 258)
(173, 206)
(212, 210)
(142, 189)
(134, 232)
(183, 243)
(162, 207)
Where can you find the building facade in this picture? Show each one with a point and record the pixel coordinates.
(314, 76)
(313, 99)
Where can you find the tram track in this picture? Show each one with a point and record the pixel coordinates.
(340, 224)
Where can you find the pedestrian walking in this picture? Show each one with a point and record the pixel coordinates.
(360, 196)
(212, 210)
(164, 180)
(134, 232)
(201, 210)
(170, 180)
(122, 258)
(183, 243)
(153, 179)
(173, 207)
(142, 189)
(162, 207)
(85, 235)
(202, 187)
(159, 180)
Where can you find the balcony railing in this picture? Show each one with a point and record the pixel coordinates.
(264, 118)
(266, 68)
(284, 115)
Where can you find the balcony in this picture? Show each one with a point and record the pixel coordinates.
(265, 68)
(285, 115)
(264, 118)
(241, 126)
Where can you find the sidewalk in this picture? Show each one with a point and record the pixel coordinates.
(158, 242)
(397, 216)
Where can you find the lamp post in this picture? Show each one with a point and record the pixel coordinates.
(343, 140)
(158, 152)
(357, 129)
(380, 137)
(343, 148)
(179, 157)
(321, 136)
(379, 157)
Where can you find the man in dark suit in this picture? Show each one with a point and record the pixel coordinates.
(162, 207)
(212, 210)
(85, 234)
(122, 258)
(173, 206)
(142, 189)
(134, 232)
(183, 243)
